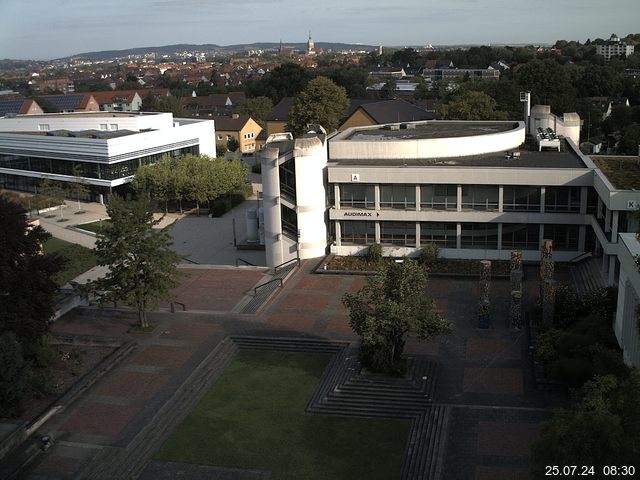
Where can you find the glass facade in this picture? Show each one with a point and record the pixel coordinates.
(565, 237)
(520, 236)
(398, 233)
(562, 199)
(401, 197)
(354, 195)
(442, 234)
(480, 197)
(480, 235)
(357, 233)
(103, 171)
(521, 199)
(438, 197)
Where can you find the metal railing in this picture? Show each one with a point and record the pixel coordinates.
(244, 261)
(297, 260)
(255, 290)
(173, 308)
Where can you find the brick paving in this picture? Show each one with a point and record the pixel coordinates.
(483, 374)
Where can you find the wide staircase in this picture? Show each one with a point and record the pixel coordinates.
(586, 275)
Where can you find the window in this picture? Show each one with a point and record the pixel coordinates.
(113, 126)
(398, 233)
(220, 137)
(288, 179)
(480, 197)
(439, 197)
(398, 196)
(357, 196)
(521, 199)
(229, 137)
(562, 199)
(565, 237)
(289, 222)
(480, 235)
(103, 126)
(357, 233)
(442, 234)
(516, 236)
(43, 127)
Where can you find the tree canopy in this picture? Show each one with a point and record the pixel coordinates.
(322, 102)
(196, 178)
(287, 80)
(470, 105)
(602, 429)
(257, 108)
(390, 306)
(142, 268)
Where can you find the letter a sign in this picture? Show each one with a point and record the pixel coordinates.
(355, 177)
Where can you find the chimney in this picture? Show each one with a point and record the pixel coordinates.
(235, 115)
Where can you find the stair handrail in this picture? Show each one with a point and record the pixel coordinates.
(255, 290)
(244, 261)
(297, 260)
(582, 256)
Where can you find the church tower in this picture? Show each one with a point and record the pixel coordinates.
(310, 45)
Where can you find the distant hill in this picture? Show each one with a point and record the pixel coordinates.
(213, 49)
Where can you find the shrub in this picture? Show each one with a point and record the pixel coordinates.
(429, 254)
(374, 253)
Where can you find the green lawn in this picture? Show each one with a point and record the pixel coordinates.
(253, 417)
(93, 226)
(79, 258)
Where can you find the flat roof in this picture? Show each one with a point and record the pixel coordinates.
(429, 129)
(527, 159)
(622, 171)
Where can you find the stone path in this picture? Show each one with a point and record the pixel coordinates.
(484, 382)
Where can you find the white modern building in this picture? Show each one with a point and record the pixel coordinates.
(476, 189)
(614, 48)
(103, 148)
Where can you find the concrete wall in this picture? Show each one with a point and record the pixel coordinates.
(343, 148)
(626, 323)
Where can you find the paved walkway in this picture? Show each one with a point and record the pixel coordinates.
(484, 374)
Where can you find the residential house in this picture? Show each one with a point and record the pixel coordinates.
(118, 100)
(279, 116)
(75, 102)
(210, 105)
(367, 112)
(242, 128)
(25, 106)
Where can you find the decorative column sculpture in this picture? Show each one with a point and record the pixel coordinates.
(484, 305)
(548, 301)
(515, 306)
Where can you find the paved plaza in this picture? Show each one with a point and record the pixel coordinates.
(484, 374)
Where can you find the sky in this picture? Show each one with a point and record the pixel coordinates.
(44, 29)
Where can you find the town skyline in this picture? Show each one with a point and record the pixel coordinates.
(36, 32)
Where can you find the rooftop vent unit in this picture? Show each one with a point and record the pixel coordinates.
(394, 126)
(408, 126)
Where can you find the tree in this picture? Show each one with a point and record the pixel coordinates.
(470, 105)
(388, 90)
(287, 80)
(26, 286)
(322, 102)
(390, 306)
(603, 428)
(142, 268)
(232, 144)
(257, 108)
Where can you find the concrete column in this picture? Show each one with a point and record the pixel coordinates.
(600, 205)
(459, 198)
(584, 193)
(582, 235)
(418, 198)
(417, 234)
(543, 194)
(458, 236)
(541, 236)
(499, 236)
(500, 201)
(607, 221)
(271, 206)
(338, 230)
(614, 226)
(611, 280)
(377, 232)
(376, 196)
(336, 195)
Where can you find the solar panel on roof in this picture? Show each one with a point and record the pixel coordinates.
(10, 106)
(67, 102)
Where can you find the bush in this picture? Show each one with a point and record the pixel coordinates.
(429, 254)
(374, 253)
